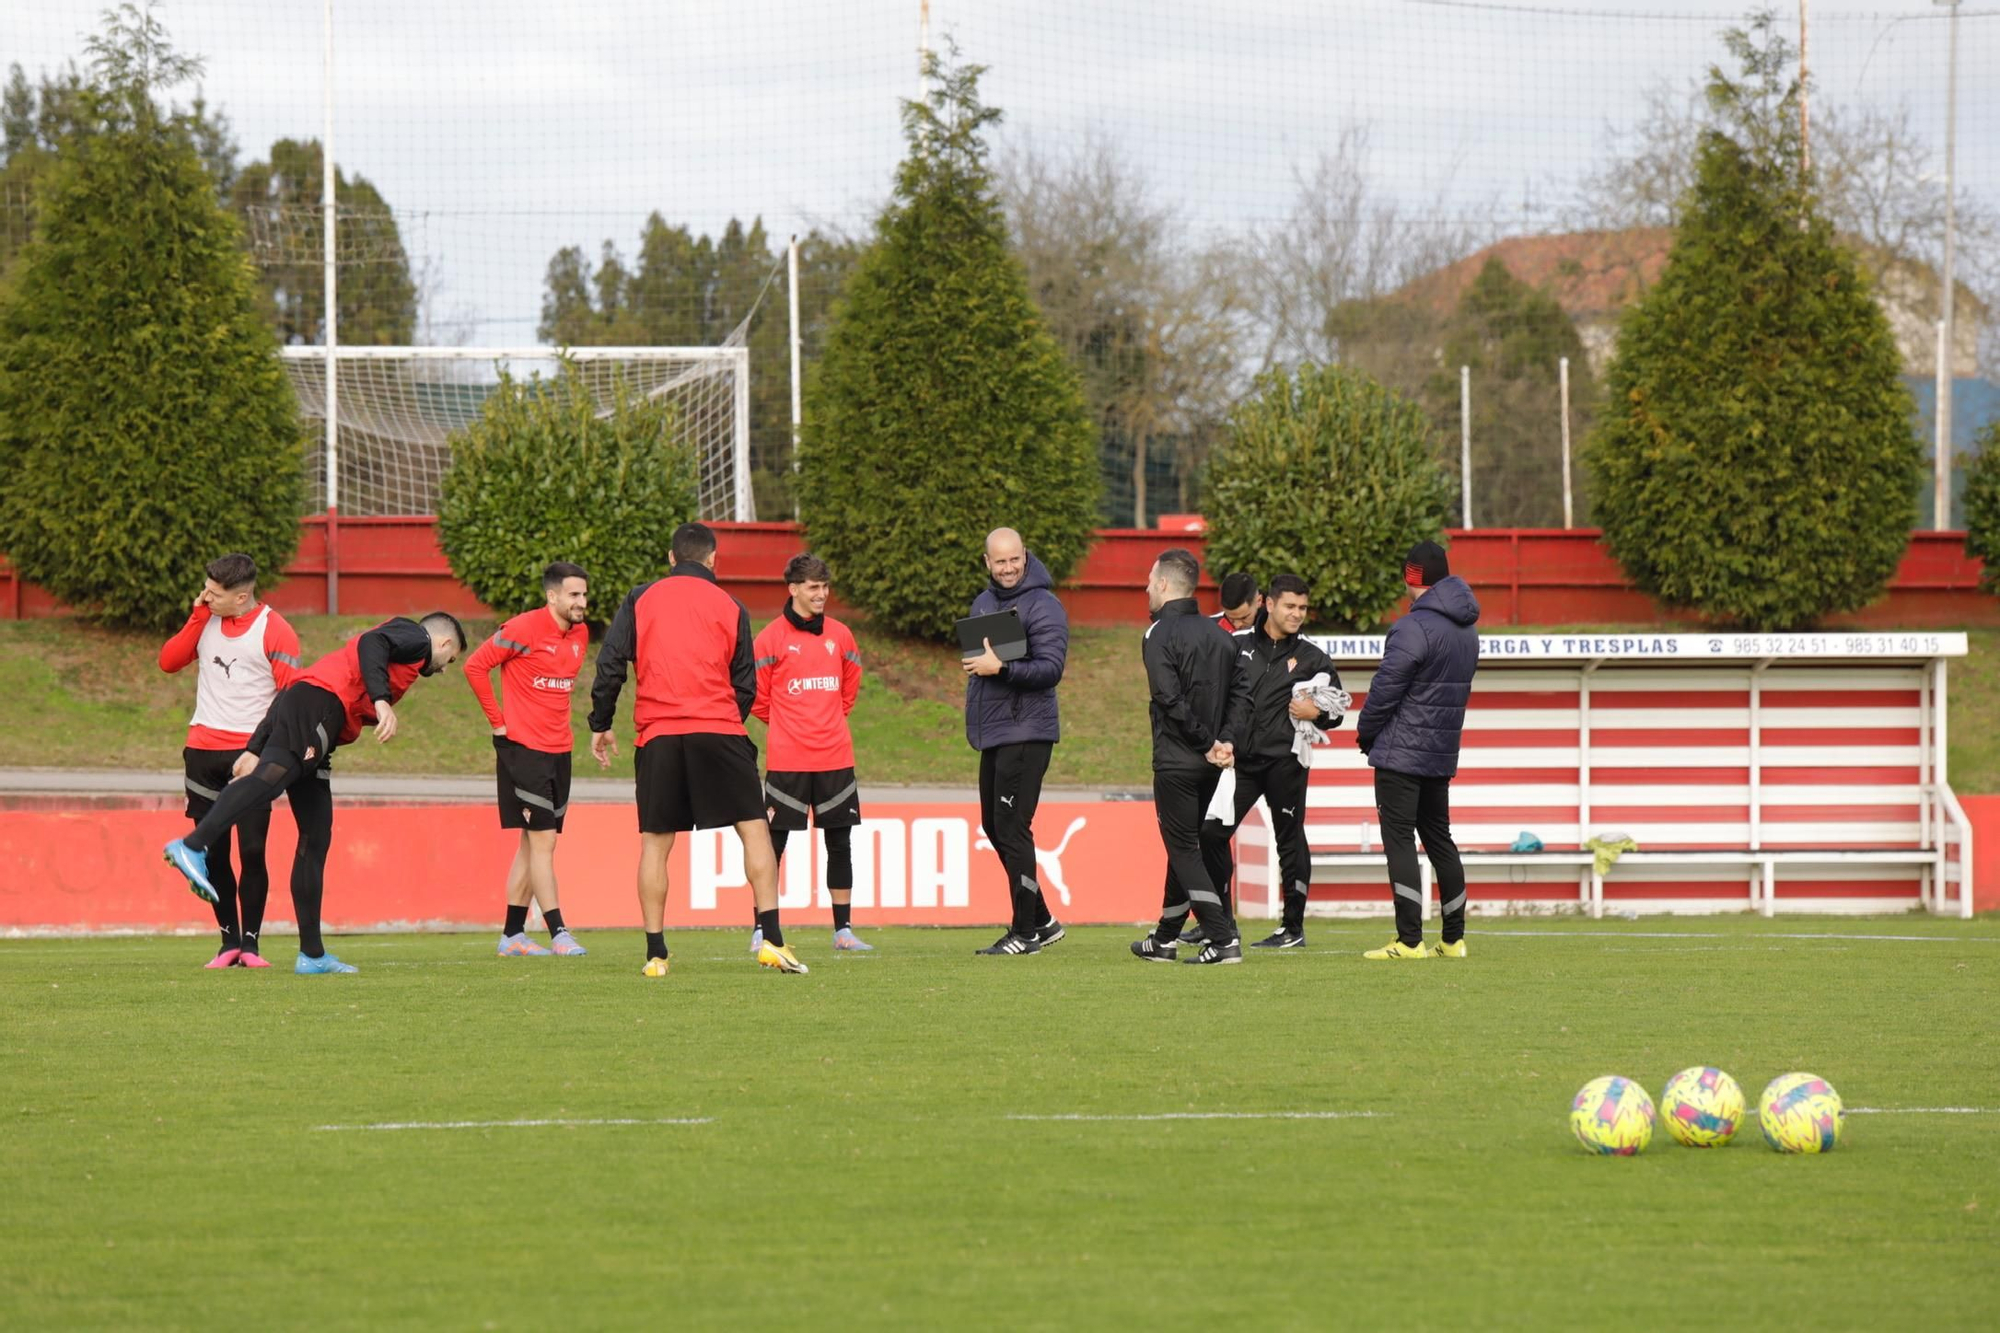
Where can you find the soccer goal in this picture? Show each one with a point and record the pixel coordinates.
(397, 408)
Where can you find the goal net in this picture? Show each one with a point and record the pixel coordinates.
(399, 406)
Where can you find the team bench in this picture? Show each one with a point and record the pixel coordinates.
(1804, 772)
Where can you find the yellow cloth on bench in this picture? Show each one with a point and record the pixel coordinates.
(1607, 850)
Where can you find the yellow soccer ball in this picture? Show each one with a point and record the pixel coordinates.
(1702, 1107)
(1612, 1116)
(1800, 1113)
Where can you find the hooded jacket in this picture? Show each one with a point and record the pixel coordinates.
(1019, 704)
(1188, 666)
(1415, 711)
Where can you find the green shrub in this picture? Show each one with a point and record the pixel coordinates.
(1325, 474)
(545, 475)
(941, 408)
(1755, 461)
(1982, 505)
(145, 423)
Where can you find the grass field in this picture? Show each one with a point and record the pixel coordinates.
(861, 1157)
(82, 697)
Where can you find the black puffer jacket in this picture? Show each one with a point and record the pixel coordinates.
(1416, 703)
(1187, 668)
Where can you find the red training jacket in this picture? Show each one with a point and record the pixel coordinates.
(806, 687)
(381, 663)
(688, 641)
(538, 660)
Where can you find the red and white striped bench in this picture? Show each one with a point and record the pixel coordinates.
(1802, 771)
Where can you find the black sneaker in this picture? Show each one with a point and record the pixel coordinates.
(1281, 939)
(1050, 933)
(1232, 952)
(1194, 938)
(1155, 950)
(1012, 943)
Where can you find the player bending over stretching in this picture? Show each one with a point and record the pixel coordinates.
(355, 686)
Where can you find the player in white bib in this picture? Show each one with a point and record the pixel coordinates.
(243, 653)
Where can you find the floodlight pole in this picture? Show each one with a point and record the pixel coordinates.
(1465, 445)
(1941, 517)
(792, 283)
(330, 292)
(1562, 377)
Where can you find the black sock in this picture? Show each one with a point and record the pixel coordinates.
(656, 944)
(768, 923)
(553, 920)
(250, 943)
(517, 919)
(230, 940)
(843, 915)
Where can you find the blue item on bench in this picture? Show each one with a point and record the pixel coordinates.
(1527, 842)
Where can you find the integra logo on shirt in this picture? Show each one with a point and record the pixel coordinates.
(562, 684)
(801, 684)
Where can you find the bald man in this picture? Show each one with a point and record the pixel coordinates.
(1010, 718)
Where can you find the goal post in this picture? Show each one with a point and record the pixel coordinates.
(398, 408)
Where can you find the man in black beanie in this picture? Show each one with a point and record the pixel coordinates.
(1410, 730)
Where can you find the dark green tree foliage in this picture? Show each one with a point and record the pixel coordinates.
(1755, 461)
(279, 202)
(1513, 337)
(942, 408)
(37, 119)
(1326, 474)
(1982, 505)
(145, 424)
(543, 475)
(684, 290)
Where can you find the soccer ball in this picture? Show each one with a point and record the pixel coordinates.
(1800, 1113)
(1702, 1107)
(1612, 1116)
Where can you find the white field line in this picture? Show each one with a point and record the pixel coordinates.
(1221, 1115)
(507, 1124)
(1923, 1110)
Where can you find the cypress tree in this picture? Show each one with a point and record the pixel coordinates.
(942, 407)
(1755, 460)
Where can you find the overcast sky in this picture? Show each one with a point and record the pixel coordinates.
(504, 129)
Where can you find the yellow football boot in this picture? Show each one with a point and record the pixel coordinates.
(779, 956)
(655, 967)
(1453, 950)
(1398, 949)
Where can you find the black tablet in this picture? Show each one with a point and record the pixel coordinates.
(1004, 628)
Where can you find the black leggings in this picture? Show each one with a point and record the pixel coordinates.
(839, 853)
(311, 795)
(252, 888)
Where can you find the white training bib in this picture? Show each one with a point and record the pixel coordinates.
(234, 685)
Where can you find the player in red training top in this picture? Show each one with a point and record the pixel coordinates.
(356, 685)
(243, 654)
(808, 675)
(538, 654)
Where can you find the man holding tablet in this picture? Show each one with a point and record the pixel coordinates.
(1011, 719)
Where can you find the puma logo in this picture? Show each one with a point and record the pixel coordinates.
(1246, 653)
(1007, 800)
(224, 665)
(1289, 813)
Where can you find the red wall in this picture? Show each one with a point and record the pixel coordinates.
(1529, 576)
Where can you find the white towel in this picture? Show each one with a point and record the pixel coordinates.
(1328, 699)
(1222, 805)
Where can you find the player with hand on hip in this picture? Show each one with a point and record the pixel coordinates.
(538, 654)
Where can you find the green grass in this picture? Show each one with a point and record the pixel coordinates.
(861, 1169)
(84, 697)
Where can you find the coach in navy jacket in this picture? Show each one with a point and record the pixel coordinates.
(1011, 719)
(1410, 730)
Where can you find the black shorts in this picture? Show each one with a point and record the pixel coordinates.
(702, 780)
(206, 773)
(533, 785)
(831, 796)
(305, 721)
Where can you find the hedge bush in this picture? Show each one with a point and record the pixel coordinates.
(941, 408)
(1326, 474)
(1755, 460)
(545, 474)
(145, 423)
(1982, 505)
